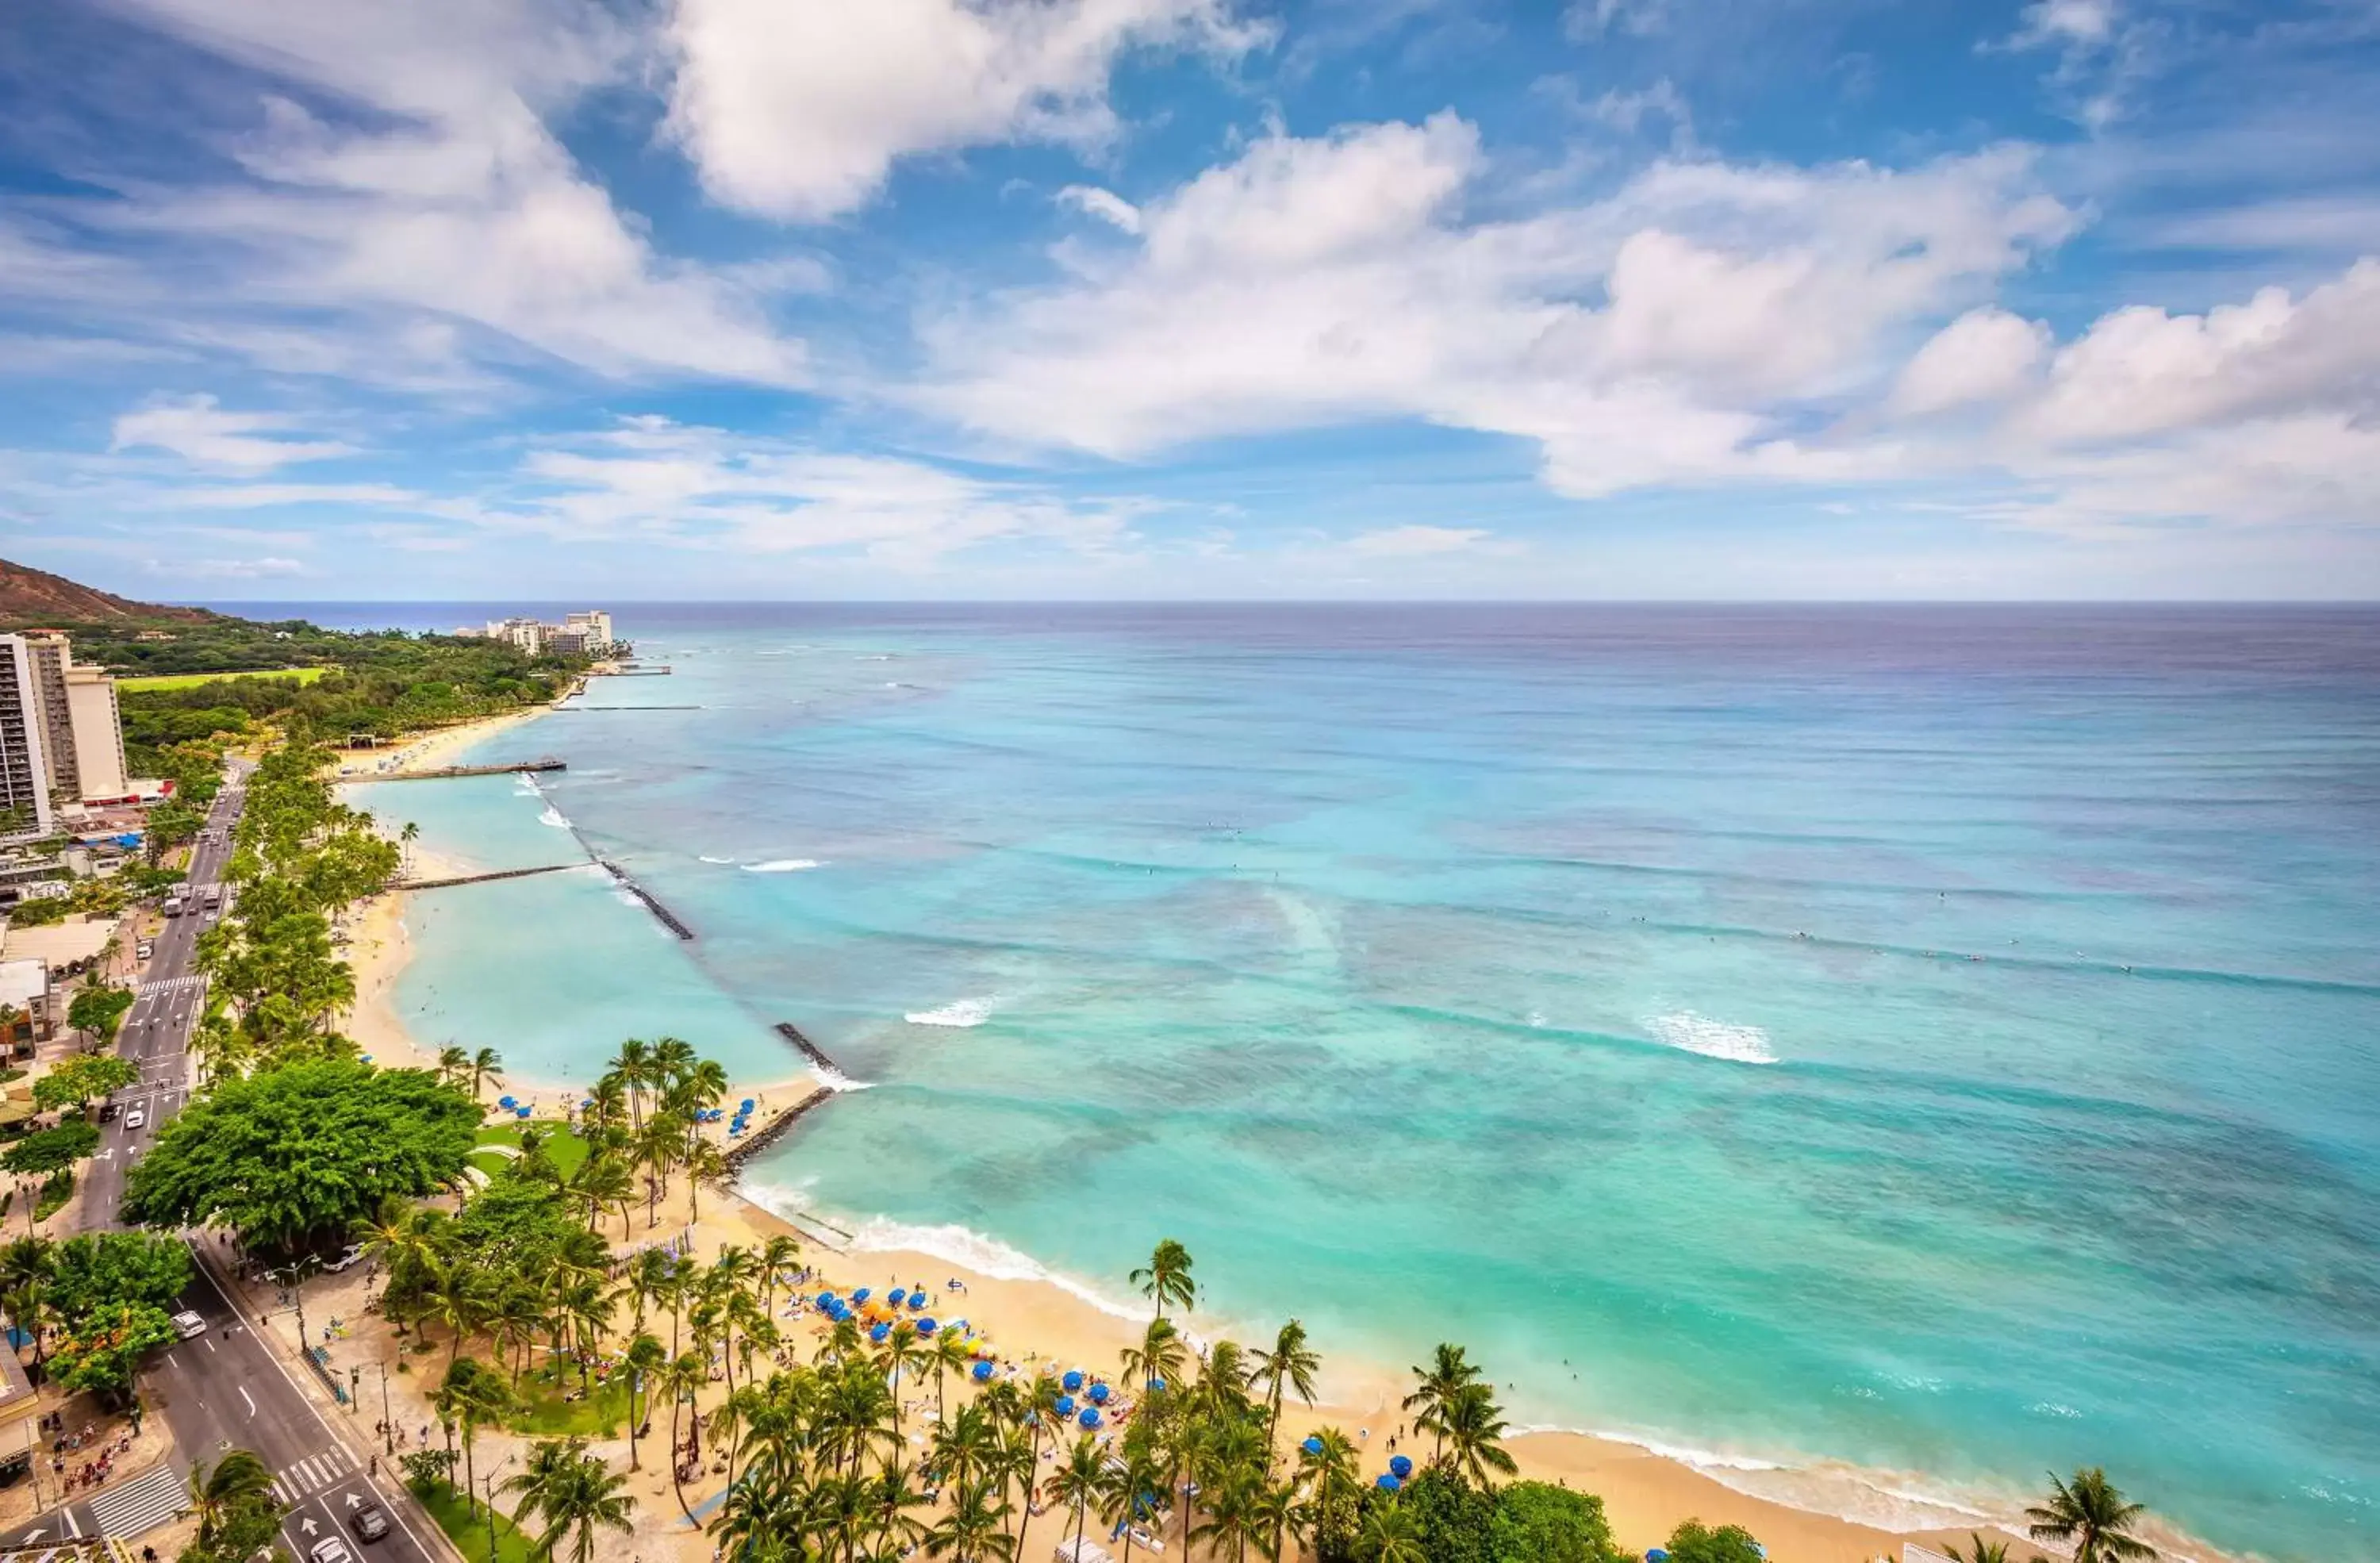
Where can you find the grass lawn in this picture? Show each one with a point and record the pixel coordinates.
(564, 1149)
(469, 1532)
(545, 1413)
(191, 681)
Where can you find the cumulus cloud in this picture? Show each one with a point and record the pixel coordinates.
(198, 430)
(798, 109)
(1413, 541)
(436, 193)
(1987, 355)
(1691, 326)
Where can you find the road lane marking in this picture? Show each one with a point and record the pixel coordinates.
(245, 1395)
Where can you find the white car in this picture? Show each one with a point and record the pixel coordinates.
(136, 1117)
(146, 950)
(188, 1325)
(331, 1549)
(354, 1252)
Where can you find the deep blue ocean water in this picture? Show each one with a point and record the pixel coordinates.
(1940, 1041)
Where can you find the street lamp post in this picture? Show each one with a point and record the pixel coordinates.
(491, 1484)
(387, 1426)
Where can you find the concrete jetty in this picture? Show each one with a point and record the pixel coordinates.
(444, 773)
(451, 881)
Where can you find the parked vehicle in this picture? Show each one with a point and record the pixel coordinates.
(188, 1325)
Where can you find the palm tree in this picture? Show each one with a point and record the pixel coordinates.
(233, 1483)
(405, 838)
(630, 1066)
(705, 1163)
(1131, 1488)
(1166, 1278)
(946, 1354)
(777, 1256)
(1333, 1482)
(1473, 1428)
(601, 1182)
(1290, 1364)
(483, 1066)
(973, 1530)
(1079, 1481)
(903, 1349)
(1979, 1551)
(1159, 1357)
(1447, 1373)
(1390, 1534)
(682, 1380)
(454, 1064)
(2090, 1513)
(575, 1492)
(470, 1396)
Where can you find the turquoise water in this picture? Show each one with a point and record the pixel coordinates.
(1942, 1043)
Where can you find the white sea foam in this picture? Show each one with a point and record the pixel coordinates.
(966, 1013)
(722, 861)
(984, 1255)
(781, 865)
(1713, 1039)
(555, 817)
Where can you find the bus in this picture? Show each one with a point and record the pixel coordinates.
(174, 904)
(214, 897)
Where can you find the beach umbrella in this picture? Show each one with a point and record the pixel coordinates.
(1090, 1417)
(926, 1327)
(1099, 1394)
(1657, 1555)
(878, 1333)
(1312, 1446)
(1387, 1482)
(520, 1112)
(367, 1057)
(1073, 1381)
(1155, 1385)
(1400, 1467)
(505, 1101)
(897, 1297)
(825, 1299)
(983, 1373)
(1064, 1405)
(860, 1294)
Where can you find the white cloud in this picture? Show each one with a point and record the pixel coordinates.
(2064, 22)
(1586, 20)
(798, 109)
(1685, 327)
(1105, 205)
(456, 205)
(661, 481)
(197, 430)
(2140, 371)
(269, 566)
(1413, 541)
(1987, 355)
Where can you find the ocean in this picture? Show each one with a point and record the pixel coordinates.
(1940, 1044)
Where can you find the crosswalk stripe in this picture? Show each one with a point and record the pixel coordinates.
(140, 1504)
(171, 985)
(280, 1494)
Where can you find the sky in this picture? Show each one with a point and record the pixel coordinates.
(1681, 300)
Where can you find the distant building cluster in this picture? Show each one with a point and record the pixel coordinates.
(61, 736)
(579, 635)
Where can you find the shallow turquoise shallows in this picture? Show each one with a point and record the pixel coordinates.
(1941, 1042)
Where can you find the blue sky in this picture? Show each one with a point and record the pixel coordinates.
(1123, 299)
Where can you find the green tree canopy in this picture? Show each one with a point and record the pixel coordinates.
(97, 1008)
(47, 1150)
(1694, 1541)
(303, 1152)
(1538, 1522)
(75, 1081)
(102, 1353)
(97, 1270)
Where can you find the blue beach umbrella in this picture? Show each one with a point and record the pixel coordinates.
(505, 1101)
(1064, 1405)
(1312, 1446)
(896, 1297)
(520, 1112)
(860, 1294)
(1071, 1382)
(926, 1327)
(1657, 1555)
(1400, 1467)
(878, 1333)
(918, 1301)
(1090, 1417)
(367, 1057)
(747, 1104)
(825, 1299)
(1099, 1394)
(1155, 1385)
(1387, 1482)
(983, 1373)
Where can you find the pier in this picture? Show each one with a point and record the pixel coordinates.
(626, 881)
(628, 707)
(444, 772)
(792, 1034)
(453, 880)
(769, 1132)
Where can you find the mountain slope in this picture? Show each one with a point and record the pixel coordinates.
(35, 597)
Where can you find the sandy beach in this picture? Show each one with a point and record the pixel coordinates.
(1034, 1321)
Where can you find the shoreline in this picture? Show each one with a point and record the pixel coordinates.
(1647, 1487)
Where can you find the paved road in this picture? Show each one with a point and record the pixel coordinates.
(227, 1389)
